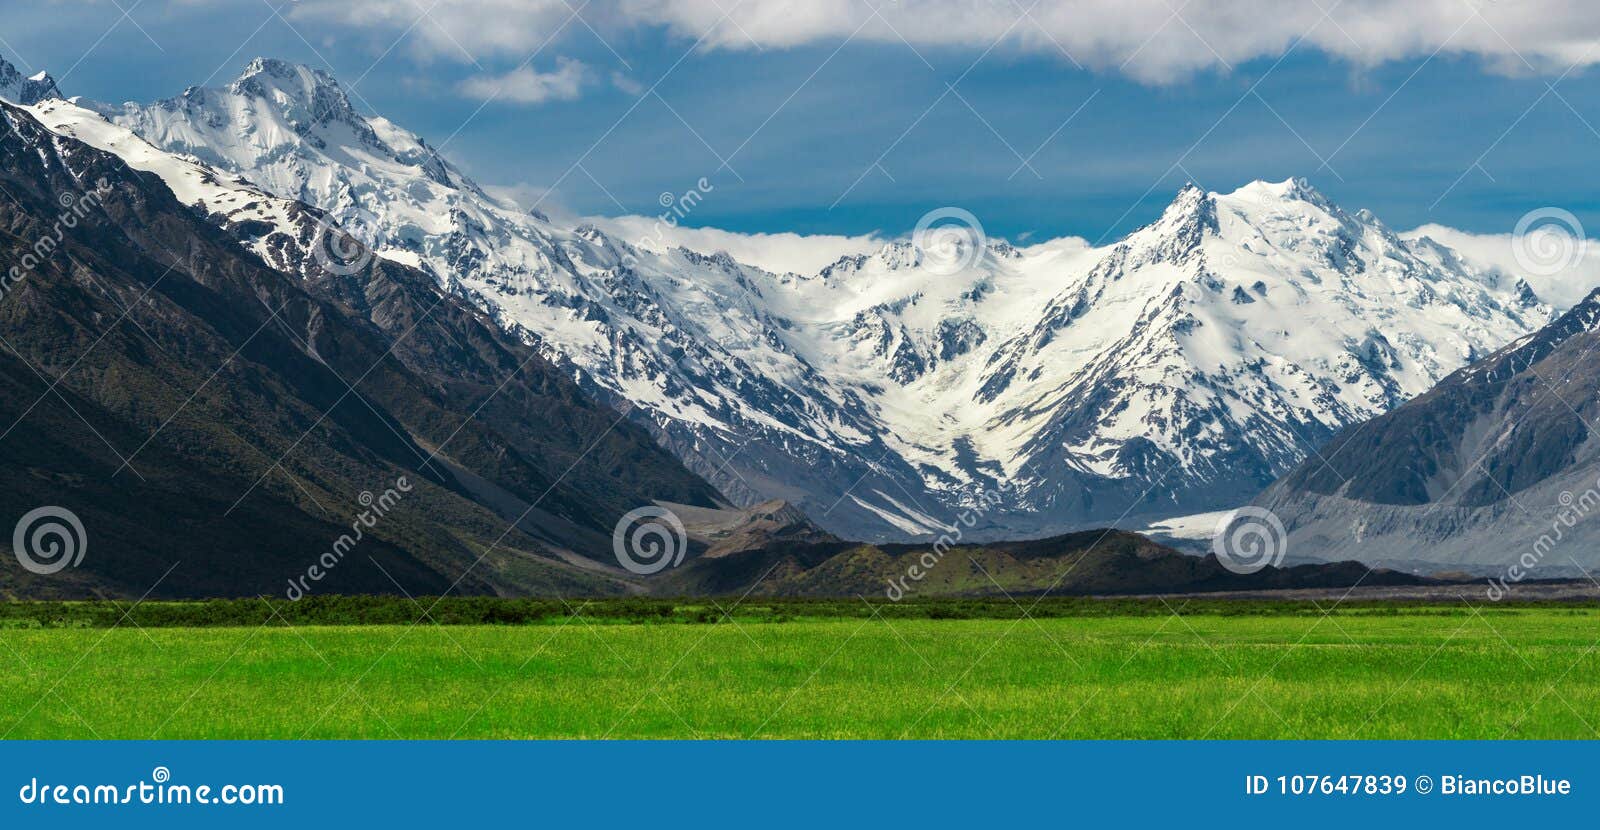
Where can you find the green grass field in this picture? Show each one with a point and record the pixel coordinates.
(1361, 673)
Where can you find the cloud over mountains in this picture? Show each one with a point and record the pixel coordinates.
(1107, 35)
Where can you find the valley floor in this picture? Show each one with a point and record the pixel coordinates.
(1414, 672)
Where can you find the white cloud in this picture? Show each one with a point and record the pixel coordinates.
(621, 81)
(523, 196)
(1578, 275)
(1141, 38)
(776, 252)
(524, 85)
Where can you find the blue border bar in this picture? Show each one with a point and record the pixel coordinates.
(804, 784)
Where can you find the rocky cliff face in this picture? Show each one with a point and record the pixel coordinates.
(1496, 464)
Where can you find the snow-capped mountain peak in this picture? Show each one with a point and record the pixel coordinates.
(30, 90)
(1231, 335)
(283, 120)
(305, 97)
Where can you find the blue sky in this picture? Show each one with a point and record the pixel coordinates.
(821, 135)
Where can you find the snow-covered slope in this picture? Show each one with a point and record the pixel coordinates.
(230, 201)
(1178, 370)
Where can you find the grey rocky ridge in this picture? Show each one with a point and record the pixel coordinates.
(1496, 465)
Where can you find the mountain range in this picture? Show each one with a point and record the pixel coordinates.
(273, 251)
(1178, 370)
